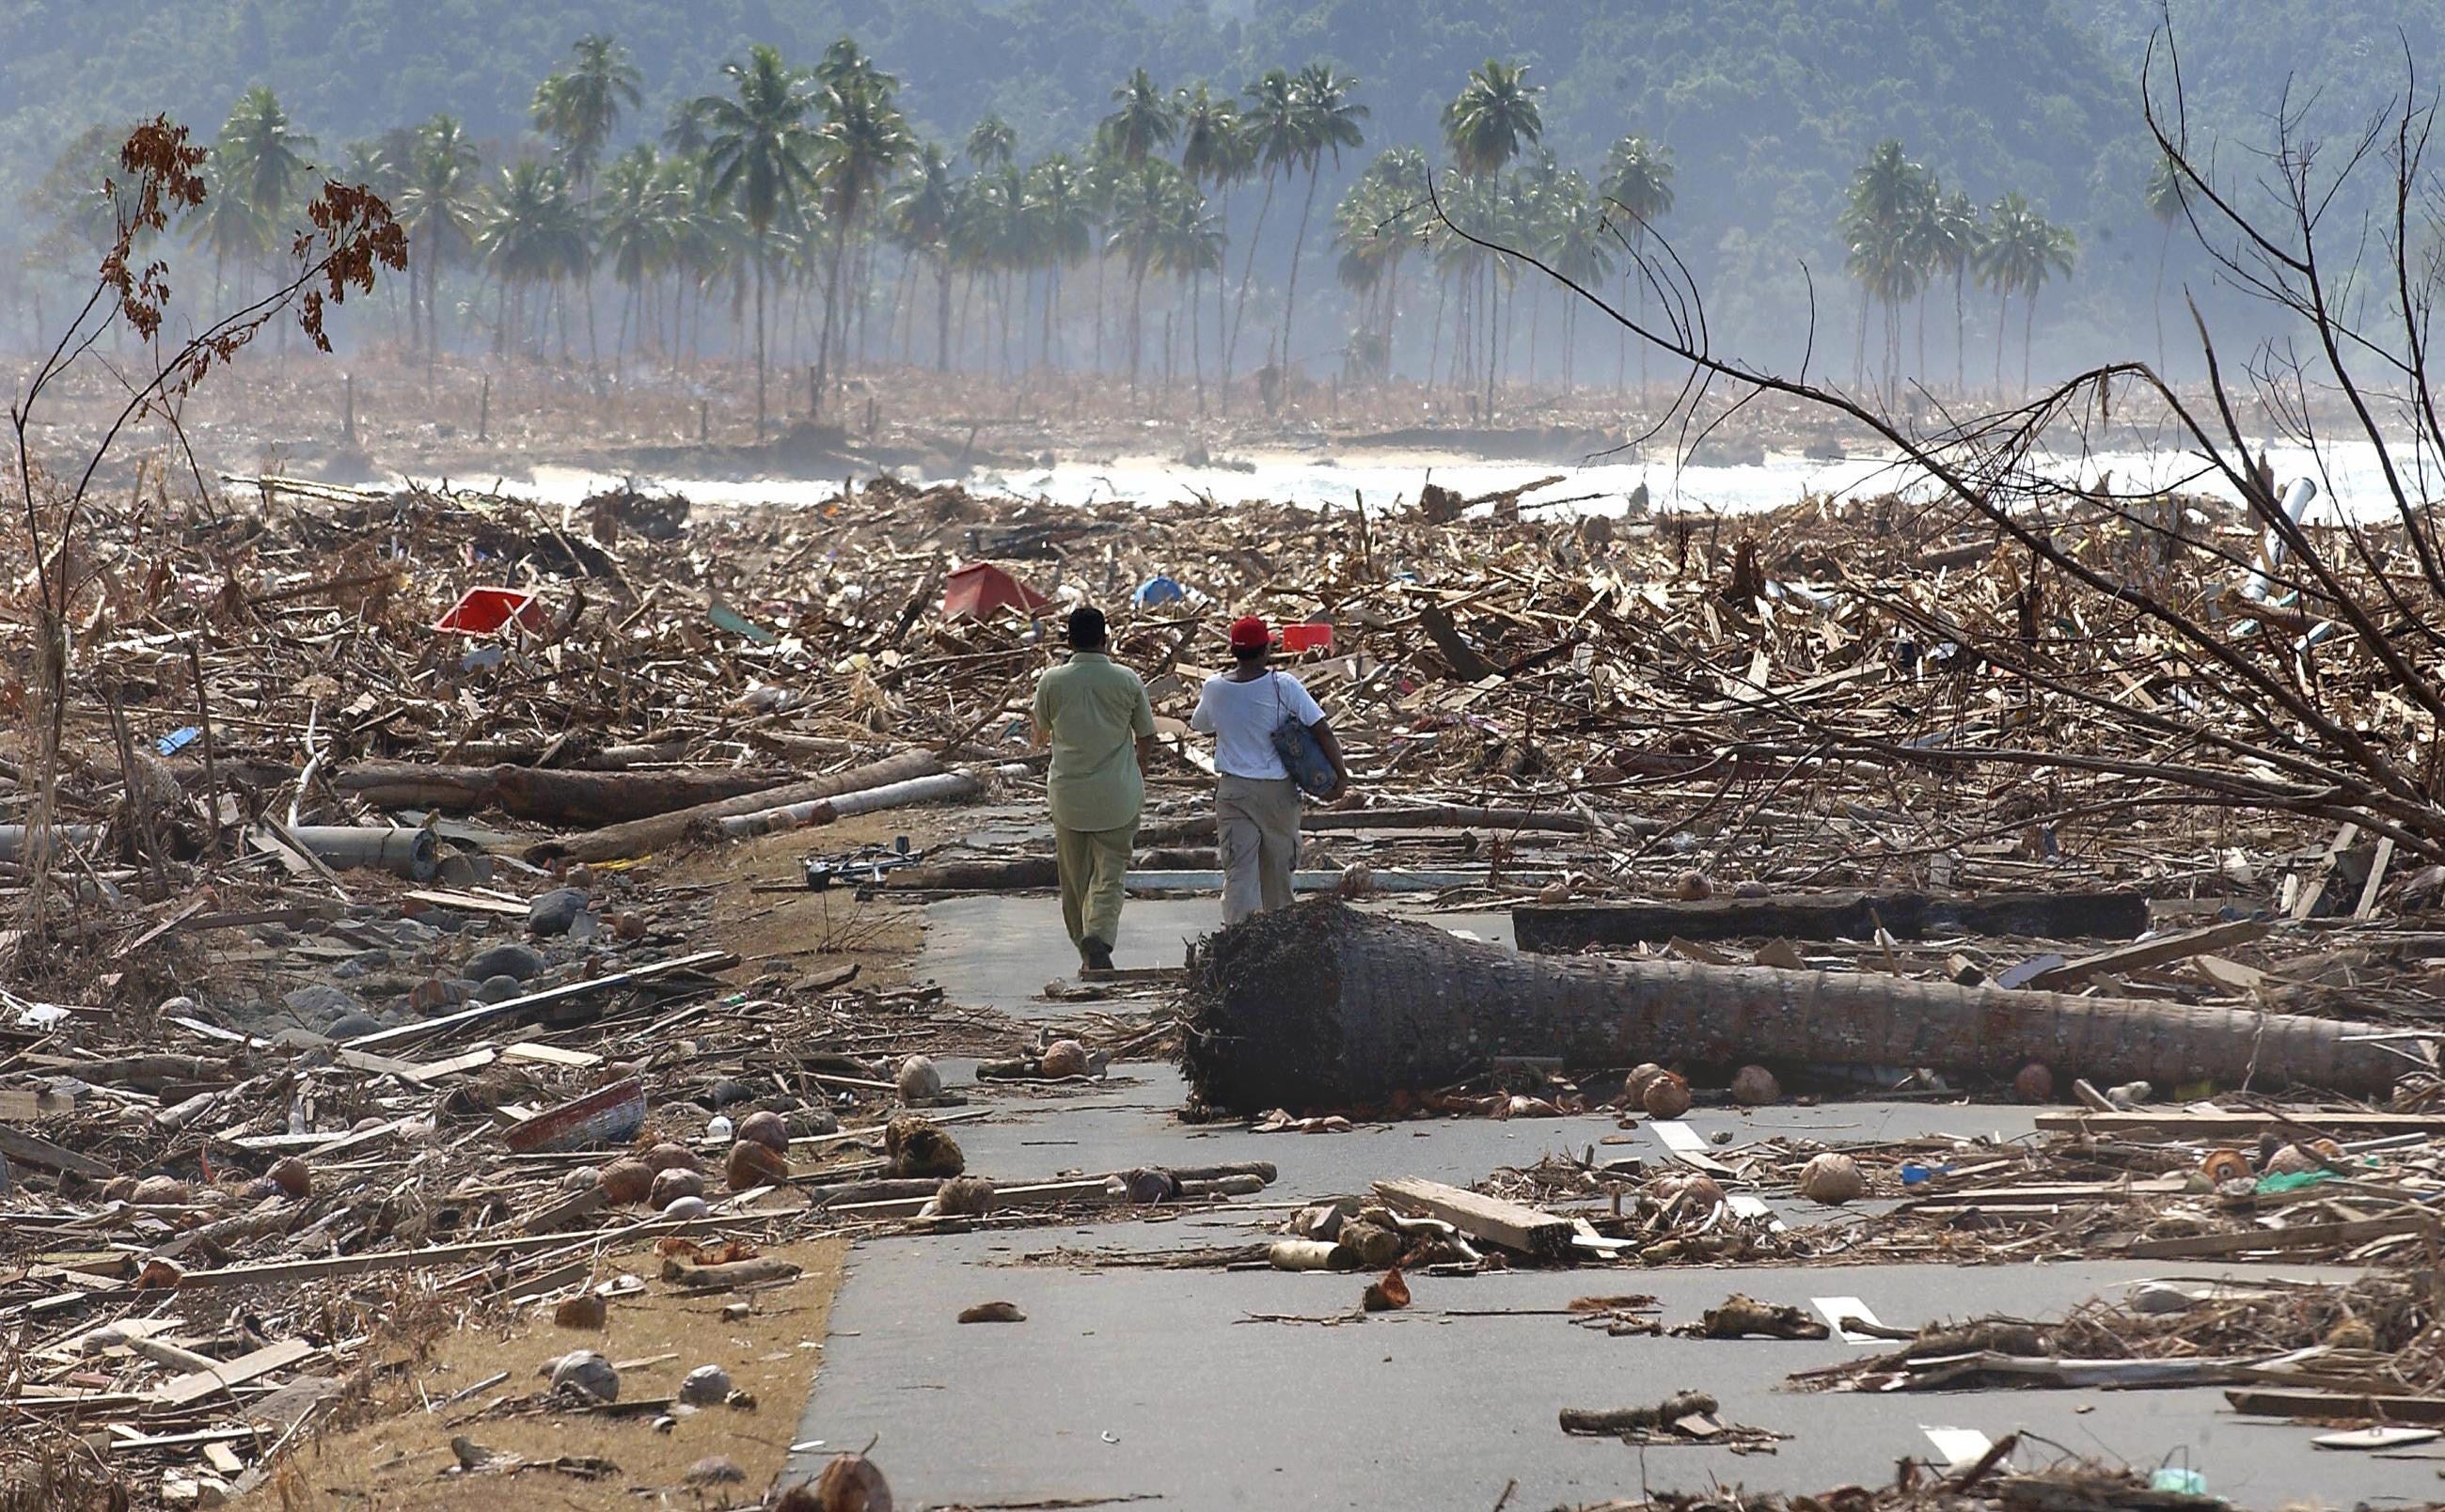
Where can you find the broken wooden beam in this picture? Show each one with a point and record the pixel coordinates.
(1515, 1226)
(2142, 955)
(1566, 928)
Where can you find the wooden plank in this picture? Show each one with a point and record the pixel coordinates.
(2313, 886)
(195, 1387)
(29, 1149)
(550, 1056)
(2260, 1402)
(475, 1059)
(1510, 1224)
(2376, 878)
(700, 960)
(223, 1458)
(2221, 1126)
(2306, 1236)
(2230, 975)
(374, 1065)
(1565, 929)
(467, 902)
(21, 1107)
(2049, 1194)
(2163, 950)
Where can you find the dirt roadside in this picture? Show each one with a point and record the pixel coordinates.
(432, 1434)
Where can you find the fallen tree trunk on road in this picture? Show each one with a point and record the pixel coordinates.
(1319, 1006)
(549, 795)
(1563, 928)
(637, 836)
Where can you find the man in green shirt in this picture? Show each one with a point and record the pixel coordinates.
(1093, 712)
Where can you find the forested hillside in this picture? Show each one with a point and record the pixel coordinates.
(1768, 108)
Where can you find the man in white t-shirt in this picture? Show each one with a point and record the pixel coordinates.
(1256, 803)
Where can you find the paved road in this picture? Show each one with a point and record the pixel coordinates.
(1138, 1382)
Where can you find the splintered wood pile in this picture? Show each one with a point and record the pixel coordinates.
(1321, 1006)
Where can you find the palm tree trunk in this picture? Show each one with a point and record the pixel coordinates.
(832, 317)
(1137, 323)
(2156, 302)
(1322, 1006)
(1298, 246)
(2003, 314)
(2028, 326)
(1960, 333)
(1247, 266)
(1860, 351)
(1197, 336)
(942, 315)
(759, 334)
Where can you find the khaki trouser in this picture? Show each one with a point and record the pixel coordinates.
(1094, 865)
(1259, 819)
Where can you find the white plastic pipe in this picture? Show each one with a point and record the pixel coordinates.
(2295, 504)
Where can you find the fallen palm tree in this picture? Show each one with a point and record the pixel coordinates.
(1321, 1006)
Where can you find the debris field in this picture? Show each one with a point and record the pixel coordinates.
(464, 916)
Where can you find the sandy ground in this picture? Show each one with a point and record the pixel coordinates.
(542, 1457)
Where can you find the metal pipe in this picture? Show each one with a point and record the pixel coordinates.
(408, 853)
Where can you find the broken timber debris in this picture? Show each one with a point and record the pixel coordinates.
(1560, 928)
(1321, 1006)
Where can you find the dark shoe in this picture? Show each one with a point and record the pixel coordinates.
(1098, 955)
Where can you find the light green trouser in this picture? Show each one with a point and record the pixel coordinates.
(1094, 865)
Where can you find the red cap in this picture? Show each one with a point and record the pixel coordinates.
(1248, 633)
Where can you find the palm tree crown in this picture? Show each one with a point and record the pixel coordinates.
(260, 156)
(1142, 120)
(1493, 118)
(578, 108)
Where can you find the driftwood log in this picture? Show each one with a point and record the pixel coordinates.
(1318, 1006)
(637, 836)
(549, 795)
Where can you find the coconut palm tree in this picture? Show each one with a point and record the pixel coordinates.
(919, 216)
(438, 207)
(1192, 247)
(261, 158)
(1574, 240)
(2020, 251)
(1142, 120)
(864, 141)
(637, 222)
(1214, 153)
(579, 107)
(1329, 120)
(991, 142)
(1061, 229)
(1493, 119)
(531, 232)
(2165, 202)
(1153, 207)
(1274, 134)
(1378, 222)
(229, 224)
(761, 155)
(1879, 211)
(1637, 185)
(1949, 238)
